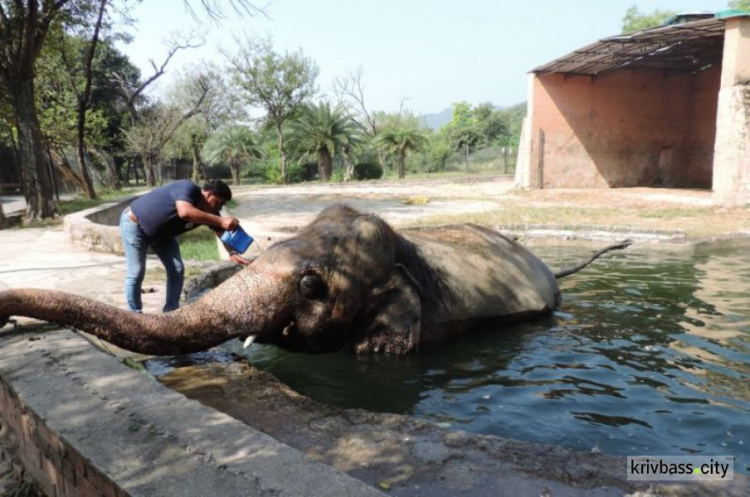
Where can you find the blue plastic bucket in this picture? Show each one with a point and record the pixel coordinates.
(237, 240)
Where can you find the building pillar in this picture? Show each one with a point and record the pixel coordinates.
(525, 144)
(731, 169)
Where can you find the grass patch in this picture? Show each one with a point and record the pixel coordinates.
(515, 215)
(199, 245)
(675, 213)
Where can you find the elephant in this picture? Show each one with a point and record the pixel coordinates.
(346, 279)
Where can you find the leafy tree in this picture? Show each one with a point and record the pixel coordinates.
(24, 26)
(634, 20)
(233, 145)
(58, 93)
(463, 132)
(438, 152)
(740, 5)
(401, 139)
(278, 83)
(324, 131)
(219, 107)
(491, 123)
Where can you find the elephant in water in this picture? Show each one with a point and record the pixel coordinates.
(346, 279)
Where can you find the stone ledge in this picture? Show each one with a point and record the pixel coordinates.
(85, 424)
(97, 229)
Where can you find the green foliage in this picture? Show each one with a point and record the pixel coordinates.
(513, 117)
(492, 123)
(634, 20)
(477, 127)
(277, 83)
(400, 138)
(740, 5)
(322, 132)
(368, 169)
(221, 105)
(233, 145)
(295, 173)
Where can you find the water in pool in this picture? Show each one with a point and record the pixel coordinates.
(649, 354)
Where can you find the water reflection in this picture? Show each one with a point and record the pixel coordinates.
(649, 354)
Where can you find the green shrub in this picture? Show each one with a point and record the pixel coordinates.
(295, 173)
(367, 170)
(219, 171)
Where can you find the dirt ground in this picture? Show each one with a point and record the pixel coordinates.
(494, 201)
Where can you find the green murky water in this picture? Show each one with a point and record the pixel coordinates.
(648, 355)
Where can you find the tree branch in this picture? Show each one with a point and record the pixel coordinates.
(216, 13)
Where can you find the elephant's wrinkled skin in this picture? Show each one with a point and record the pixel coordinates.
(347, 278)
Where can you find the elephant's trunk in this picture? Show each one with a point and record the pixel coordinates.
(227, 312)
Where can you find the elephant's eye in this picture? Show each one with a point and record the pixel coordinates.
(312, 286)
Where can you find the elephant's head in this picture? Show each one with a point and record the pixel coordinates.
(336, 282)
(339, 283)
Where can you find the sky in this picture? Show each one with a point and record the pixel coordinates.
(423, 55)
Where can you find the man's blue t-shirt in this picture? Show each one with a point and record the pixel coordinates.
(156, 211)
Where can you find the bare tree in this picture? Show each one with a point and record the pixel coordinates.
(220, 106)
(351, 91)
(157, 125)
(152, 127)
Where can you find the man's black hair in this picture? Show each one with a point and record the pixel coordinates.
(218, 188)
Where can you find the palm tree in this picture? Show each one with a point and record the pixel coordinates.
(323, 131)
(401, 140)
(233, 145)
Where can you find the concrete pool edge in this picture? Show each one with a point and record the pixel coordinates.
(85, 424)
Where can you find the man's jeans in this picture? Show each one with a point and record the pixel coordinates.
(136, 243)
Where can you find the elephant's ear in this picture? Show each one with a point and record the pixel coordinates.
(392, 320)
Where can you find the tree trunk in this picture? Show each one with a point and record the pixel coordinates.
(32, 159)
(148, 169)
(348, 164)
(282, 151)
(196, 151)
(235, 167)
(83, 103)
(88, 186)
(325, 164)
(62, 165)
(113, 178)
(466, 157)
(381, 160)
(401, 166)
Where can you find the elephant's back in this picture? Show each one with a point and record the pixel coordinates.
(485, 274)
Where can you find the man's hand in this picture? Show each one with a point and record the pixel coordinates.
(238, 259)
(229, 223)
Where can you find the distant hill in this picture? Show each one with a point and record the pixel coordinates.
(440, 119)
(437, 121)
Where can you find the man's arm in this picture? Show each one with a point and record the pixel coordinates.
(189, 212)
(234, 256)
